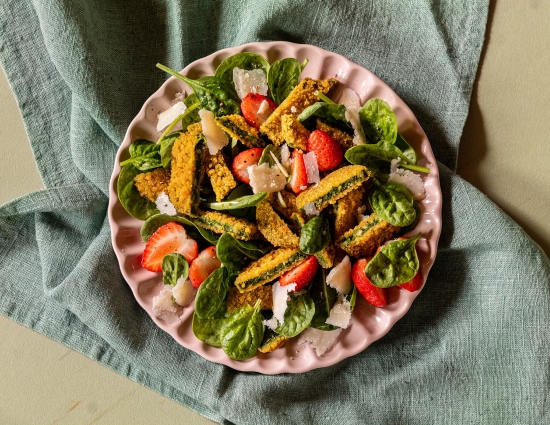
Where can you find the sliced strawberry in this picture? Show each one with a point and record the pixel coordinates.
(327, 150)
(244, 160)
(373, 294)
(254, 112)
(301, 275)
(414, 284)
(168, 239)
(203, 265)
(298, 175)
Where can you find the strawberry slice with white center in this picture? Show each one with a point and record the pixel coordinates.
(168, 239)
(301, 275)
(203, 265)
(256, 108)
(298, 177)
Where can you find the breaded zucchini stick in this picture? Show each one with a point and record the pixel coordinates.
(237, 299)
(220, 175)
(302, 96)
(346, 212)
(237, 127)
(150, 185)
(268, 268)
(289, 200)
(294, 132)
(333, 187)
(187, 171)
(343, 139)
(273, 227)
(223, 223)
(363, 239)
(272, 343)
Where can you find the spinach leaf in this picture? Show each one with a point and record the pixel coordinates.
(157, 220)
(408, 152)
(144, 155)
(208, 330)
(396, 263)
(174, 266)
(266, 155)
(166, 145)
(378, 121)
(283, 76)
(392, 202)
(214, 94)
(243, 60)
(238, 203)
(324, 298)
(242, 332)
(248, 213)
(331, 113)
(411, 226)
(315, 235)
(235, 254)
(128, 195)
(382, 150)
(211, 293)
(298, 315)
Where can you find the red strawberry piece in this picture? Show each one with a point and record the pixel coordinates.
(373, 294)
(301, 275)
(327, 150)
(250, 106)
(244, 160)
(168, 239)
(203, 265)
(298, 177)
(414, 284)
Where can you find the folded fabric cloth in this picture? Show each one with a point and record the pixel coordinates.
(474, 346)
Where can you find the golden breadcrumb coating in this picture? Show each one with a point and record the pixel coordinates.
(276, 341)
(150, 185)
(187, 170)
(220, 175)
(333, 187)
(268, 268)
(237, 299)
(346, 212)
(367, 236)
(294, 132)
(224, 223)
(302, 96)
(273, 227)
(237, 127)
(343, 139)
(289, 200)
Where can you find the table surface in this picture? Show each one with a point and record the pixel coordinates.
(503, 153)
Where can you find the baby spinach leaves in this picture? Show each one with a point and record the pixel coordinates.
(174, 266)
(324, 298)
(243, 60)
(166, 144)
(235, 254)
(128, 195)
(211, 293)
(378, 121)
(396, 263)
(266, 155)
(144, 155)
(283, 76)
(238, 203)
(315, 235)
(408, 152)
(331, 113)
(381, 151)
(155, 221)
(392, 202)
(214, 94)
(242, 332)
(208, 330)
(298, 315)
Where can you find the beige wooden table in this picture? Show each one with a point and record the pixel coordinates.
(504, 152)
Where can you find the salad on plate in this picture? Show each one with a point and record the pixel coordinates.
(269, 205)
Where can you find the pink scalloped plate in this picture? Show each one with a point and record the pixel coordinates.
(368, 323)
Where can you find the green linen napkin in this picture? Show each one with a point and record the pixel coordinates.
(472, 349)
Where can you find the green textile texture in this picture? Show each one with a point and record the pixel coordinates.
(474, 348)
